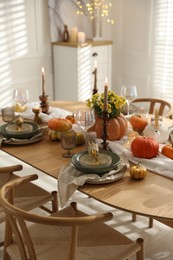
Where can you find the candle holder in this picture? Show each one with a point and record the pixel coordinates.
(105, 117)
(95, 90)
(44, 103)
(37, 119)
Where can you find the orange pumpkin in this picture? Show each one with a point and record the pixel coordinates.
(71, 118)
(116, 128)
(138, 123)
(167, 150)
(59, 124)
(144, 147)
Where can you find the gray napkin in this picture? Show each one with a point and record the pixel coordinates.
(70, 178)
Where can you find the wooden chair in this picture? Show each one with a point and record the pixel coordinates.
(67, 234)
(165, 108)
(23, 196)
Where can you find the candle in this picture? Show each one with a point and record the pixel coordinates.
(106, 95)
(95, 64)
(81, 37)
(43, 82)
(73, 34)
(156, 118)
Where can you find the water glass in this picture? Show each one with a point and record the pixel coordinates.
(68, 142)
(8, 114)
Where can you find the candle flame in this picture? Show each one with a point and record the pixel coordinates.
(106, 81)
(42, 69)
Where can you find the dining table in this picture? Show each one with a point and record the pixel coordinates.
(151, 196)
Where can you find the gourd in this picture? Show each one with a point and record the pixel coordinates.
(138, 123)
(167, 150)
(56, 136)
(71, 118)
(116, 127)
(138, 172)
(59, 124)
(144, 147)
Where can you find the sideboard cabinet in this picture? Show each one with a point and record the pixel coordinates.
(73, 67)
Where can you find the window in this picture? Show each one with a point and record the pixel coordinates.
(163, 50)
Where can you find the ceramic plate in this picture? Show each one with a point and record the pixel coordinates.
(4, 130)
(99, 169)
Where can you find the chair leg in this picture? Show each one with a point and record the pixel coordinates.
(150, 222)
(54, 204)
(54, 201)
(140, 254)
(133, 217)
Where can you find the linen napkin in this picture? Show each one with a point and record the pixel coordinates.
(54, 112)
(159, 164)
(70, 178)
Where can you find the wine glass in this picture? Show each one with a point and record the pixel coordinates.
(68, 142)
(85, 118)
(21, 97)
(130, 93)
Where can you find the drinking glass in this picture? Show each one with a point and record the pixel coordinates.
(130, 93)
(21, 97)
(8, 115)
(68, 142)
(85, 118)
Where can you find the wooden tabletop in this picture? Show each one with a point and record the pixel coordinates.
(152, 196)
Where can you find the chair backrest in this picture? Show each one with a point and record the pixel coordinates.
(6, 174)
(16, 219)
(165, 108)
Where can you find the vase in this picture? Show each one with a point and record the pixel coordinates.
(97, 25)
(116, 127)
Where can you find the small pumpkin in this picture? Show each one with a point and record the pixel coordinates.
(59, 124)
(116, 128)
(71, 118)
(167, 150)
(144, 147)
(138, 123)
(138, 172)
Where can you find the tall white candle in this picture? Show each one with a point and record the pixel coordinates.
(156, 118)
(43, 81)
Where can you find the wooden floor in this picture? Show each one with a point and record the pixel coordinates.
(158, 240)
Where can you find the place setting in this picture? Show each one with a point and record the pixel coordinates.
(97, 164)
(16, 130)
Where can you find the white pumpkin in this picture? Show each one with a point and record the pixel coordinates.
(160, 134)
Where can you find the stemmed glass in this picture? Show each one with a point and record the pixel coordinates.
(21, 97)
(130, 93)
(68, 142)
(85, 118)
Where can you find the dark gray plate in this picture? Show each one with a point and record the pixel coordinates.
(99, 169)
(19, 135)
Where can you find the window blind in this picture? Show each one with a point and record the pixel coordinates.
(163, 50)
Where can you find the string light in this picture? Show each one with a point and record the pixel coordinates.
(103, 6)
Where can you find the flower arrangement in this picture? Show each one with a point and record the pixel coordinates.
(115, 103)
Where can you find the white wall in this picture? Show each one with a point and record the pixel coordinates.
(25, 48)
(132, 45)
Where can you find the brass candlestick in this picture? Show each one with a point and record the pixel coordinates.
(44, 103)
(95, 90)
(105, 116)
(37, 119)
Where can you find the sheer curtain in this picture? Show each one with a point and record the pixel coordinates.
(163, 50)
